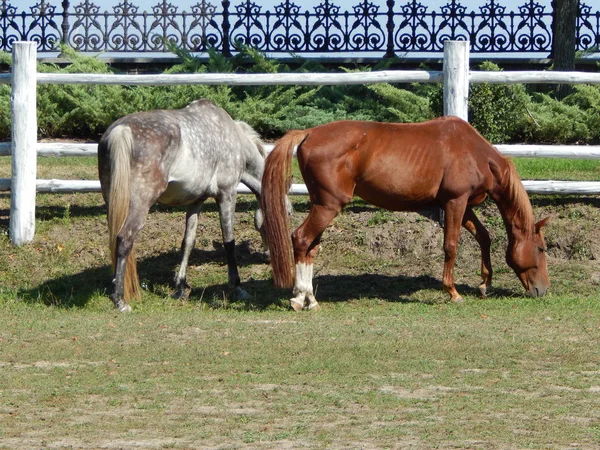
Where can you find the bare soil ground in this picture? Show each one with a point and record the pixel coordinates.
(379, 253)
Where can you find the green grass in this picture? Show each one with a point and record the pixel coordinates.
(558, 169)
(64, 168)
(501, 373)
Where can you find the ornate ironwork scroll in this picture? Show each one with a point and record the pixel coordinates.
(369, 26)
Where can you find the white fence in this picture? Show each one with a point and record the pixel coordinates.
(455, 75)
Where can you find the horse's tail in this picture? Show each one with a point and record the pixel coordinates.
(120, 144)
(276, 183)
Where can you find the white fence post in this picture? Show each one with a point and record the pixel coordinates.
(456, 79)
(24, 143)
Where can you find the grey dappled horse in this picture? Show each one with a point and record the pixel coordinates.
(174, 157)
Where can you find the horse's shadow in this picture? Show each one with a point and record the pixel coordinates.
(156, 272)
(78, 289)
(391, 288)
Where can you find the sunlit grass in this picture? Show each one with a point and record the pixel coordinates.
(558, 169)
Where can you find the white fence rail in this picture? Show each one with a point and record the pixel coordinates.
(456, 77)
(512, 150)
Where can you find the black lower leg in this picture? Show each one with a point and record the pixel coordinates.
(232, 269)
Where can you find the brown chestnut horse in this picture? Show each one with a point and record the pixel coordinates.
(402, 167)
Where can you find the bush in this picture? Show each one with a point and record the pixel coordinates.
(502, 113)
(5, 112)
(587, 98)
(498, 111)
(81, 110)
(554, 122)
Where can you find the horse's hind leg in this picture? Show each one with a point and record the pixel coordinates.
(226, 202)
(125, 257)
(475, 227)
(189, 239)
(306, 239)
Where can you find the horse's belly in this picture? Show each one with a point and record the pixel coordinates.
(179, 193)
(407, 197)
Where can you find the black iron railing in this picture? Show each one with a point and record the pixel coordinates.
(388, 27)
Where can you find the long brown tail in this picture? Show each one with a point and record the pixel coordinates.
(120, 143)
(276, 182)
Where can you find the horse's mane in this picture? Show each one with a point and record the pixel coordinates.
(521, 208)
(252, 134)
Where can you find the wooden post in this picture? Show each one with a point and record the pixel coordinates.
(24, 143)
(456, 79)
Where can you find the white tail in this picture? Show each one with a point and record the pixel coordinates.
(120, 144)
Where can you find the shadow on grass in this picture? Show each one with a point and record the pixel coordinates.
(156, 272)
(396, 288)
(334, 289)
(556, 200)
(78, 289)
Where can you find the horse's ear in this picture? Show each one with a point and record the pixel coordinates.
(541, 223)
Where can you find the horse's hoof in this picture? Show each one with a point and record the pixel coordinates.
(483, 291)
(296, 305)
(123, 307)
(458, 300)
(180, 294)
(314, 307)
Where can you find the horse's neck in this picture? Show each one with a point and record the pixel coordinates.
(514, 206)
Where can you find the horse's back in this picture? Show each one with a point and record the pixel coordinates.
(182, 154)
(397, 166)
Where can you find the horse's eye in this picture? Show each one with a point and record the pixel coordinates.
(542, 249)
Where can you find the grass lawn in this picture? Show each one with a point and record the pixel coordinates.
(365, 373)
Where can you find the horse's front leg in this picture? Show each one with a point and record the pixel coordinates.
(189, 240)
(226, 202)
(454, 212)
(481, 235)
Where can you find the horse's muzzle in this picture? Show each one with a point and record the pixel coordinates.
(538, 291)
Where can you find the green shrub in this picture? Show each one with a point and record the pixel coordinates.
(587, 99)
(502, 113)
(433, 92)
(555, 122)
(5, 109)
(399, 105)
(5, 112)
(498, 111)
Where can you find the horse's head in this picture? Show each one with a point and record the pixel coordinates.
(526, 255)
